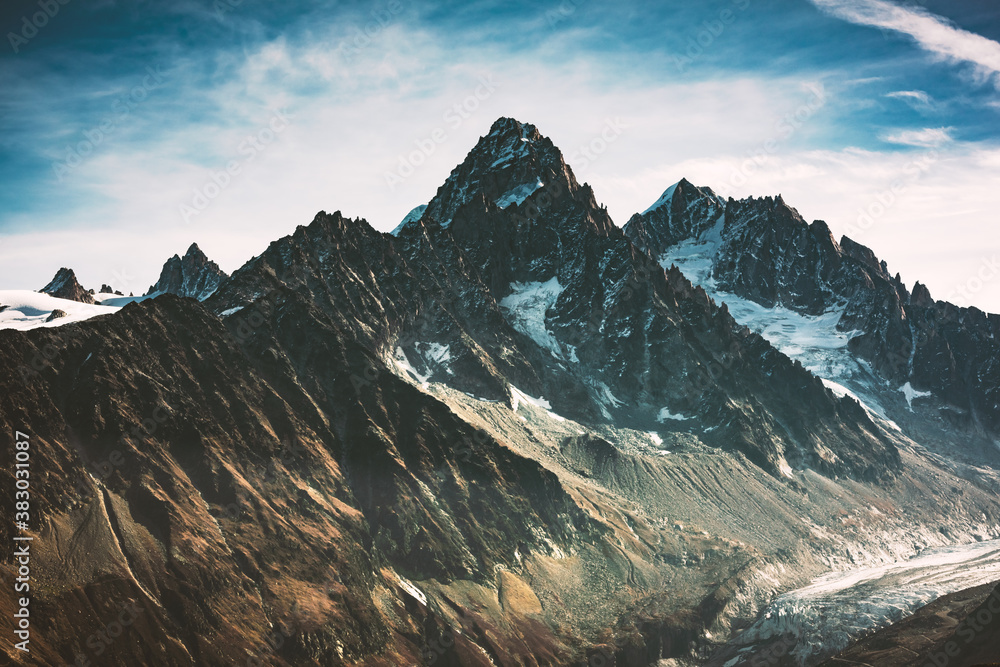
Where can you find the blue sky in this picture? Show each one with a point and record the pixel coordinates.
(131, 129)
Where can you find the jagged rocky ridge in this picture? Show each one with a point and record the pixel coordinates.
(335, 458)
(193, 275)
(765, 252)
(620, 342)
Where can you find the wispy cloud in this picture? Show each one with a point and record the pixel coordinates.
(365, 94)
(917, 99)
(932, 32)
(926, 138)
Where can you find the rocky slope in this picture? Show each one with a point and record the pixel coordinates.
(763, 251)
(959, 630)
(504, 435)
(193, 275)
(65, 286)
(609, 335)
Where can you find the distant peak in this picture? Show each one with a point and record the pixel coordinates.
(665, 198)
(64, 274)
(65, 286)
(193, 275)
(506, 166)
(685, 187)
(506, 124)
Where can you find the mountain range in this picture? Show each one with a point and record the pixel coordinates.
(510, 432)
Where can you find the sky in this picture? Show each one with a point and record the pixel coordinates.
(130, 129)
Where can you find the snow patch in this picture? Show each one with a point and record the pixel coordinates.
(666, 414)
(412, 216)
(399, 358)
(912, 393)
(526, 306)
(417, 594)
(436, 354)
(26, 309)
(605, 398)
(874, 410)
(696, 257)
(665, 198)
(519, 194)
(517, 396)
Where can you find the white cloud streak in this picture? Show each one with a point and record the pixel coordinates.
(926, 138)
(930, 31)
(918, 99)
(352, 120)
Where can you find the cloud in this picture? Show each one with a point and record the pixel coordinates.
(355, 115)
(926, 138)
(930, 31)
(918, 99)
(359, 106)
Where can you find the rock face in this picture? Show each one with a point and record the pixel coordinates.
(65, 286)
(765, 252)
(544, 293)
(222, 486)
(682, 212)
(193, 275)
(503, 436)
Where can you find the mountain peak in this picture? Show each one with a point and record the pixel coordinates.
(195, 252)
(684, 186)
(683, 211)
(193, 275)
(507, 126)
(921, 296)
(506, 167)
(65, 286)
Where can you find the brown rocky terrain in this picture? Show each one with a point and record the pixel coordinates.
(362, 450)
(958, 630)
